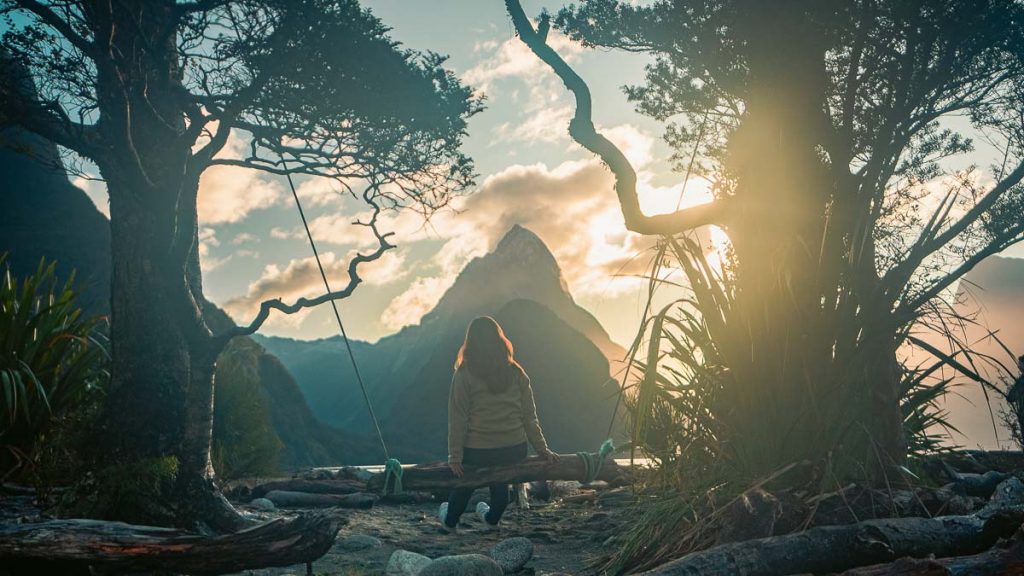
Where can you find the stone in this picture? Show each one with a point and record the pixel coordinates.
(405, 563)
(462, 565)
(563, 488)
(512, 554)
(359, 542)
(262, 504)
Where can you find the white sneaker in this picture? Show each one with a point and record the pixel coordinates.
(442, 515)
(482, 508)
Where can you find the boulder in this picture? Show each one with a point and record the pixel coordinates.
(359, 542)
(262, 504)
(405, 563)
(512, 554)
(462, 565)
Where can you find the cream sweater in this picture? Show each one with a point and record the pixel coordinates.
(480, 418)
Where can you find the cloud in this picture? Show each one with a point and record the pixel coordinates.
(319, 191)
(416, 301)
(549, 124)
(301, 278)
(244, 238)
(572, 207)
(207, 241)
(228, 194)
(96, 190)
(544, 110)
(513, 59)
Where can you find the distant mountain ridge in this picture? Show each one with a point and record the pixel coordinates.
(563, 348)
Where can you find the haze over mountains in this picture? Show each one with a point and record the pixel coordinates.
(993, 294)
(562, 347)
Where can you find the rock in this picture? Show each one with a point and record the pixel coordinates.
(262, 504)
(359, 542)
(563, 488)
(462, 565)
(405, 563)
(512, 554)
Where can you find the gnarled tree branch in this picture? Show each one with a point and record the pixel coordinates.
(582, 130)
(383, 245)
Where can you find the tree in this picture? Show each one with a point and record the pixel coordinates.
(824, 126)
(150, 92)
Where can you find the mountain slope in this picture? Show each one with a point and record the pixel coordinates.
(407, 374)
(45, 216)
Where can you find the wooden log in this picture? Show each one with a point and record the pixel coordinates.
(311, 486)
(119, 547)
(286, 499)
(1008, 559)
(836, 548)
(438, 477)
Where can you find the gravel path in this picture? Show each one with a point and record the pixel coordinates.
(566, 536)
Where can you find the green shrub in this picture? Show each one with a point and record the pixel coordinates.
(244, 440)
(53, 366)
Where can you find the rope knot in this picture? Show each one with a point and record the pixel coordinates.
(592, 461)
(393, 470)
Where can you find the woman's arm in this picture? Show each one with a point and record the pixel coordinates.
(458, 419)
(530, 421)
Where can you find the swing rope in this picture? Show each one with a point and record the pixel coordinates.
(392, 467)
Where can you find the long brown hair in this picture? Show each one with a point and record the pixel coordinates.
(488, 354)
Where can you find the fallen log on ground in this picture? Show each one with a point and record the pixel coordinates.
(286, 499)
(1008, 559)
(119, 547)
(837, 548)
(311, 486)
(431, 477)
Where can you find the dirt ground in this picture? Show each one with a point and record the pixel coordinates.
(566, 537)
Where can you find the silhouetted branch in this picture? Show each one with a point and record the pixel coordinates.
(582, 130)
(383, 245)
(59, 24)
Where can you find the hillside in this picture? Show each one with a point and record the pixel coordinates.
(561, 345)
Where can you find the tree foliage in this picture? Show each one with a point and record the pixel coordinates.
(841, 139)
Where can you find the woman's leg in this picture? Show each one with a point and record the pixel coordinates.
(458, 499)
(499, 492)
(499, 502)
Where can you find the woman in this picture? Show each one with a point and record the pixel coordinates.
(491, 416)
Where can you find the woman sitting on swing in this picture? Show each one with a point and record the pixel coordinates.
(491, 416)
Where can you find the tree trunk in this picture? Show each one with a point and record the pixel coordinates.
(161, 400)
(836, 548)
(1007, 560)
(288, 499)
(433, 477)
(150, 360)
(128, 548)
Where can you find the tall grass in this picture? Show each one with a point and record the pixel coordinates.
(719, 417)
(52, 362)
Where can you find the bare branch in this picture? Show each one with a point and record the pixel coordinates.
(582, 130)
(20, 105)
(383, 245)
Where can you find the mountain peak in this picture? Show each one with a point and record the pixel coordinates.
(521, 239)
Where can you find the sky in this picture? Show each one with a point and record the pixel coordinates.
(530, 173)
